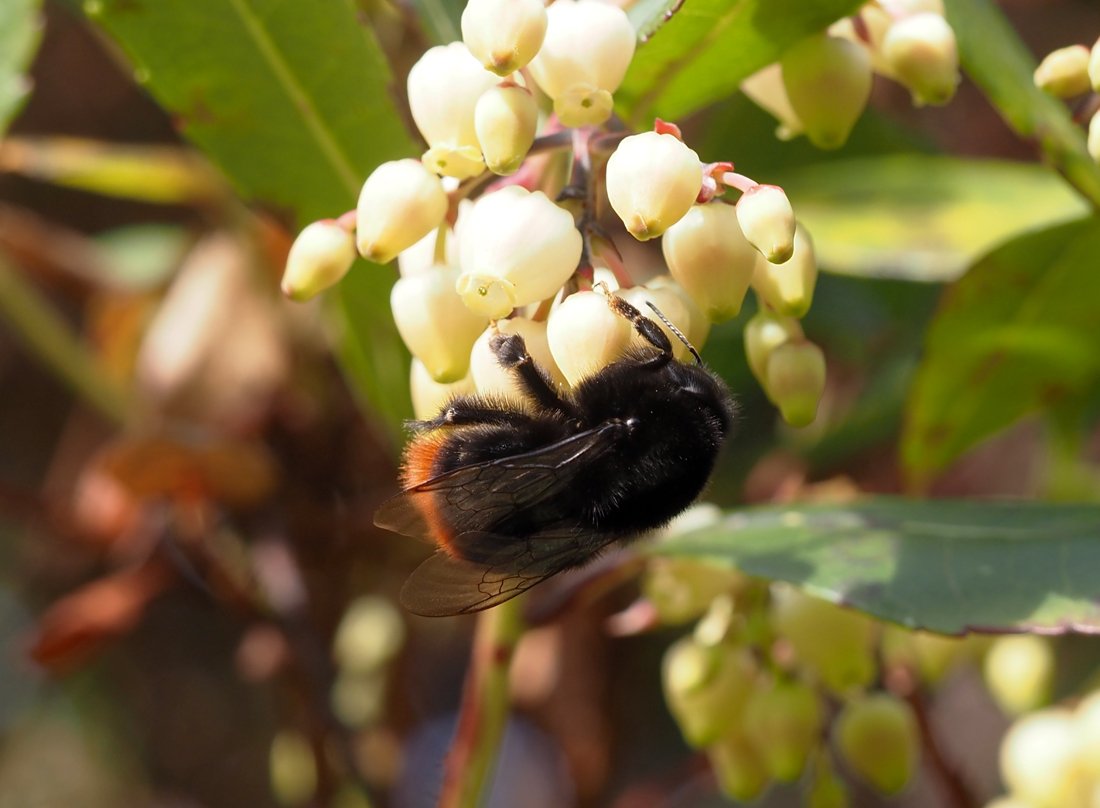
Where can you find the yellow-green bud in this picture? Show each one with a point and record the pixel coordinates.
(1019, 672)
(1064, 72)
(711, 259)
(828, 81)
(681, 590)
(581, 86)
(516, 247)
(585, 335)
(927, 654)
(826, 789)
(765, 332)
(767, 221)
(293, 769)
(370, 633)
(784, 720)
(443, 88)
(1040, 760)
(795, 380)
(652, 181)
(788, 288)
(429, 396)
(834, 643)
(436, 326)
(740, 772)
(504, 35)
(707, 687)
(878, 737)
(401, 202)
(506, 118)
(923, 55)
(491, 379)
(320, 256)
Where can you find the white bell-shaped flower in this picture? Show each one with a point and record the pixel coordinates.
(320, 256)
(1064, 72)
(767, 221)
(652, 181)
(923, 55)
(434, 323)
(710, 257)
(789, 287)
(429, 396)
(506, 118)
(504, 35)
(516, 247)
(585, 335)
(443, 89)
(765, 332)
(401, 202)
(588, 47)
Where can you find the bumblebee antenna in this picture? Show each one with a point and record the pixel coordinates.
(679, 334)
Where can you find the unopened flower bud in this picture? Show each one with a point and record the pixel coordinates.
(401, 202)
(370, 633)
(492, 379)
(738, 767)
(710, 257)
(878, 737)
(1019, 672)
(765, 332)
(506, 118)
(828, 81)
(707, 688)
(795, 380)
(429, 396)
(652, 181)
(436, 326)
(504, 35)
(292, 768)
(670, 305)
(922, 53)
(585, 335)
(320, 256)
(765, 89)
(681, 589)
(789, 287)
(826, 789)
(1040, 760)
(581, 87)
(1065, 72)
(784, 719)
(767, 221)
(835, 643)
(443, 89)
(517, 247)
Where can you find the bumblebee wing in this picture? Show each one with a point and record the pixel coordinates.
(483, 493)
(444, 585)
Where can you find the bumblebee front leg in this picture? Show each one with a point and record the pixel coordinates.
(511, 352)
(646, 328)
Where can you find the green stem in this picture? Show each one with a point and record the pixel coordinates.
(472, 757)
(35, 322)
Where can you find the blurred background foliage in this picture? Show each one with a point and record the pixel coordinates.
(189, 464)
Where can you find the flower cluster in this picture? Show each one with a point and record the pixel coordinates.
(489, 241)
(821, 85)
(1071, 72)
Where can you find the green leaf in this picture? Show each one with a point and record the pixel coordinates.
(291, 101)
(992, 54)
(946, 566)
(1017, 334)
(440, 19)
(694, 53)
(920, 217)
(20, 32)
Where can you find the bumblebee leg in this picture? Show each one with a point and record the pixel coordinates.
(649, 330)
(511, 353)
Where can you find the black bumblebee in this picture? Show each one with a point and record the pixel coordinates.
(513, 494)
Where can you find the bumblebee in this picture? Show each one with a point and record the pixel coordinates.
(512, 493)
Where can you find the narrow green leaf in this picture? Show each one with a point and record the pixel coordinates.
(20, 32)
(997, 60)
(946, 566)
(920, 217)
(694, 53)
(291, 100)
(1017, 334)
